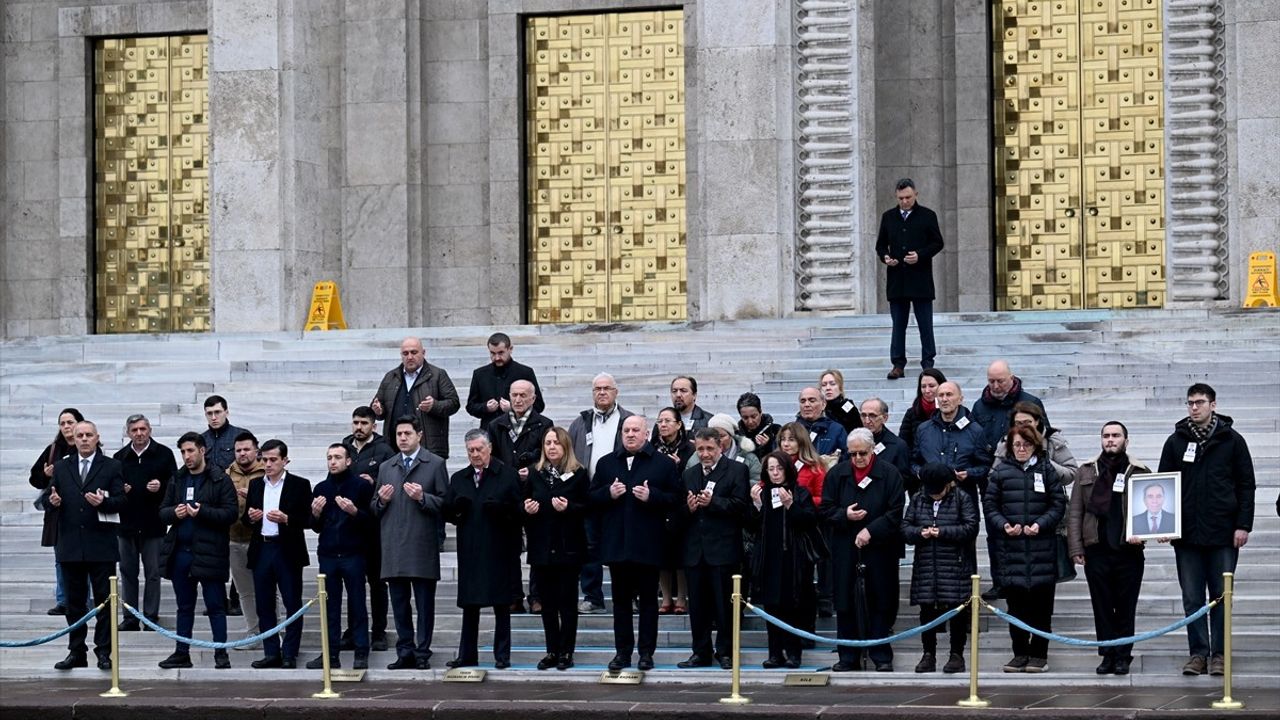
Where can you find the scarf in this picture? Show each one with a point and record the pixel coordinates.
(860, 474)
(927, 407)
(1201, 434)
(1109, 466)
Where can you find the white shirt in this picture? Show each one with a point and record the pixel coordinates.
(271, 501)
(138, 452)
(603, 436)
(410, 378)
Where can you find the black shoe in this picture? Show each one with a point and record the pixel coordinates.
(379, 642)
(176, 660)
(155, 619)
(288, 663)
(565, 662)
(991, 594)
(726, 662)
(130, 626)
(221, 661)
(501, 664)
(72, 660)
(459, 662)
(361, 663)
(422, 664)
(928, 663)
(792, 662)
(317, 663)
(270, 661)
(235, 610)
(694, 661)
(104, 662)
(618, 662)
(1122, 666)
(1107, 666)
(548, 661)
(773, 663)
(405, 662)
(843, 666)
(955, 664)
(1016, 664)
(347, 642)
(56, 610)
(884, 667)
(646, 663)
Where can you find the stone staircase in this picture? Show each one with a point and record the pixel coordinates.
(1087, 366)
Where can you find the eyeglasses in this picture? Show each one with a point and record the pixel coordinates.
(1022, 446)
(859, 453)
(1197, 403)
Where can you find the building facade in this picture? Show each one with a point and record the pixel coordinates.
(186, 165)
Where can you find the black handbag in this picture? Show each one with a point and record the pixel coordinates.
(1066, 568)
(812, 545)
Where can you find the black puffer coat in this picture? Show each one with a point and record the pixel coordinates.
(941, 569)
(210, 548)
(1010, 498)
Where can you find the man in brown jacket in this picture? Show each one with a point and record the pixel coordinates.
(417, 388)
(246, 467)
(1096, 539)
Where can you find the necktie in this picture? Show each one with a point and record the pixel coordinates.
(408, 462)
(705, 471)
(478, 478)
(84, 468)
(1153, 525)
(905, 213)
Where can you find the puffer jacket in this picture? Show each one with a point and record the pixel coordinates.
(1011, 499)
(210, 548)
(1217, 487)
(941, 570)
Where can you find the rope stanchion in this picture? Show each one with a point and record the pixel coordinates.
(1077, 642)
(323, 596)
(115, 691)
(208, 645)
(841, 642)
(975, 598)
(1228, 592)
(55, 635)
(736, 697)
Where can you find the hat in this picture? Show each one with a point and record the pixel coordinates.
(935, 476)
(721, 421)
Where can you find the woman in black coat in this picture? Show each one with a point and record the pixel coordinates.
(554, 513)
(781, 570)
(940, 523)
(672, 440)
(757, 426)
(41, 474)
(922, 408)
(1023, 504)
(862, 504)
(839, 408)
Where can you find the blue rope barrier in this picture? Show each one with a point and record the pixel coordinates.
(220, 645)
(855, 643)
(55, 635)
(1132, 639)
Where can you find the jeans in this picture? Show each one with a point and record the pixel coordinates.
(1200, 569)
(59, 589)
(899, 310)
(184, 592)
(133, 546)
(346, 572)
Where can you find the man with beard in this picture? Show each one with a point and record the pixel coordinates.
(409, 504)
(200, 506)
(369, 451)
(828, 436)
(485, 502)
(684, 398)
(147, 466)
(245, 469)
(1003, 391)
(1113, 564)
(489, 396)
(631, 493)
(889, 447)
(340, 514)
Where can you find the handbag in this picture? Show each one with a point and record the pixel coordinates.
(812, 545)
(1066, 568)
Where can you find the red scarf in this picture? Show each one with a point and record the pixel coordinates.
(927, 406)
(860, 474)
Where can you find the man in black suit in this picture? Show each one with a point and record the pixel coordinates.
(86, 495)
(715, 508)
(631, 492)
(909, 238)
(1155, 519)
(278, 511)
(489, 396)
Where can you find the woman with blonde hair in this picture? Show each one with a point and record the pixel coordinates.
(840, 409)
(555, 507)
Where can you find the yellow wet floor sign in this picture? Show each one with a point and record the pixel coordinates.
(1262, 281)
(326, 308)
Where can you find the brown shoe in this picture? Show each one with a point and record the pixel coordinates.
(896, 373)
(1217, 666)
(1194, 666)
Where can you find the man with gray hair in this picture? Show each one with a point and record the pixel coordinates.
(147, 467)
(908, 239)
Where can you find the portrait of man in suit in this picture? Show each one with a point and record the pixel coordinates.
(1152, 513)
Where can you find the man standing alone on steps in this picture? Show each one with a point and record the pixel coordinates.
(909, 238)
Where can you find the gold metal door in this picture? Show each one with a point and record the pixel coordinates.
(1078, 147)
(604, 167)
(151, 241)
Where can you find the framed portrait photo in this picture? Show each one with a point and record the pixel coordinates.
(1155, 511)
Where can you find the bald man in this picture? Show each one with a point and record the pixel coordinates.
(1003, 391)
(416, 388)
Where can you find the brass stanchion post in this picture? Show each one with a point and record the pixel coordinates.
(1227, 702)
(115, 690)
(323, 596)
(975, 604)
(735, 697)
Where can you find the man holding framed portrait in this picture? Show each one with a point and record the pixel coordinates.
(1216, 503)
(1153, 506)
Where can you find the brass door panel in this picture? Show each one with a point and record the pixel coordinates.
(604, 167)
(151, 244)
(1079, 182)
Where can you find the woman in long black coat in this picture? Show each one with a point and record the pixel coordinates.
(1023, 504)
(670, 439)
(554, 524)
(41, 474)
(862, 504)
(781, 570)
(940, 522)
